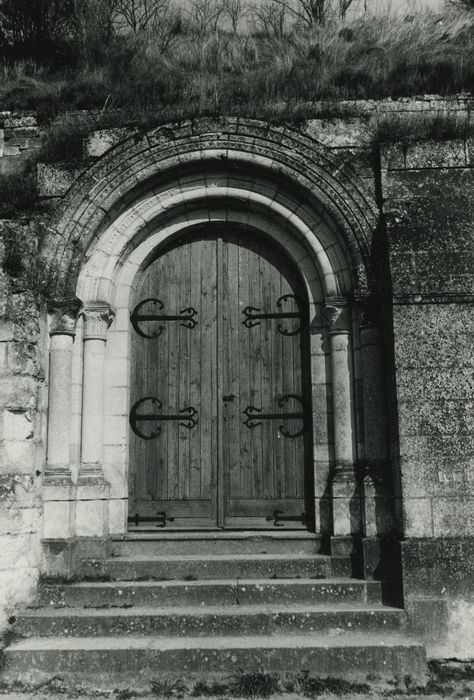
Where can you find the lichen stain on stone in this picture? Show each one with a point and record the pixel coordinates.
(7, 486)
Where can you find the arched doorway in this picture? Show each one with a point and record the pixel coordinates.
(145, 193)
(220, 390)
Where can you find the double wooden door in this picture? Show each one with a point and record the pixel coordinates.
(220, 429)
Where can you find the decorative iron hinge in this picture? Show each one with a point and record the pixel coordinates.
(255, 416)
(186, 417)
(160, 519)
(279, 519)
(185, 316)
(253, 315)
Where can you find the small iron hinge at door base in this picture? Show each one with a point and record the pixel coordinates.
(279, 519)
(160, 519)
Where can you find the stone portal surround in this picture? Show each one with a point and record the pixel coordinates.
(241, 175)
(431, 508)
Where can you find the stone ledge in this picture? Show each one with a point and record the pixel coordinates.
(445, 625)
(429, 155)
(438, 566)
(415, 298)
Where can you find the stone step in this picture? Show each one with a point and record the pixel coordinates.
(137, 660)
(221, 542)
(209, 592)
(212, 566)
(234, 620)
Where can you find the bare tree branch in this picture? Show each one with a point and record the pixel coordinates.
(204, 15)
(270, 18)
(141, 15)
(310, 12)
(235, 10)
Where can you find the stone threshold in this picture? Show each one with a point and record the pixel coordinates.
(216, 535)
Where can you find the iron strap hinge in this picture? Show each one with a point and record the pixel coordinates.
(185, 316)
(253, 315)
(186, 417)
(255, 416)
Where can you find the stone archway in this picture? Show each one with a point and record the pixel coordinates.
(146, 191)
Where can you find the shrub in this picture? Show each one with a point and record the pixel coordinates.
(258, 684)
(442, 126)
(18, 193)
(253, 72)
(63, 140)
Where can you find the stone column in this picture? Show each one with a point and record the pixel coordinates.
(322, 435)
(345, 498)
(92, 495)
(377, 517)
(58, 488)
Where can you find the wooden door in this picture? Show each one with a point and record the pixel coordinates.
(220, 408)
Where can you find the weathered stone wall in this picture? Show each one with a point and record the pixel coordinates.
(20, 135)
(429, 204)
(426, 192)
(23, 380)
(23, 367)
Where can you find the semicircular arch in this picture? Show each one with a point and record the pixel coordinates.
(268, 167)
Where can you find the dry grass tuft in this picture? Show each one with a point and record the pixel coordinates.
(373, 56)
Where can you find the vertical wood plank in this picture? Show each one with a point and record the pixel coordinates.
(235, 370)
(195, 384)
(184, 301)
(269, 404)
(207, 368)
(224, 372)
(289, 385)
(245, 376)
(255, 373)
(278, 390)
(160, 447)
(171, 405)
(220, 387)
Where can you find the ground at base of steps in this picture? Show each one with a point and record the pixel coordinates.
(446, 679)
(459, 691)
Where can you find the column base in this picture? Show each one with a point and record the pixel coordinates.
(59, 504)
(379, 559)
(346, 501)
(377, 504)
(91, 471)
(92, 506)
(342, 550)
(62, 559)
(58, 558)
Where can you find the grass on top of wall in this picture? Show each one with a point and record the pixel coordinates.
(373, 56)
(63, 138)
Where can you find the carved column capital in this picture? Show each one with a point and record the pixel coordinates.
(337, 318)
(63, 317)
(97, 320)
